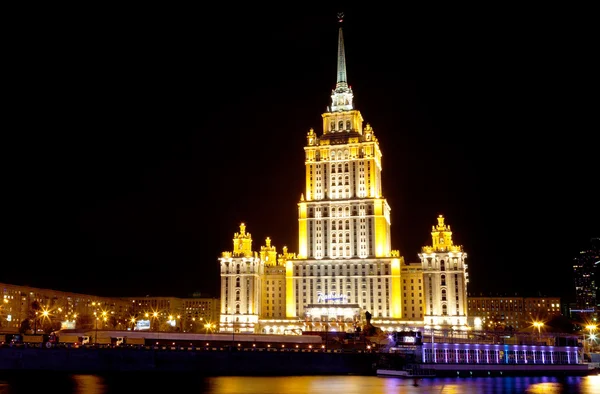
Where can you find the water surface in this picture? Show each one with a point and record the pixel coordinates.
(192, 384)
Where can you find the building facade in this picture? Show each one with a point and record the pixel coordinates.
(48, 309)
(345, 268)
(508, 313)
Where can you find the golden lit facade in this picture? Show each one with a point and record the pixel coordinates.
(242, 272)
(445, 279)
(412, 292)
(345, 265)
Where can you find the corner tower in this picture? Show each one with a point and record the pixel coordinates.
(241, 278)
(445, 279)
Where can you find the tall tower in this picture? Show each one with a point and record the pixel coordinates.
(445, 279)
(241, 276)
(585, 267)
(345, 265)
(342, 213)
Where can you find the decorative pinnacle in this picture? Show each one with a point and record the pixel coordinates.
(341, 67)
(340, 16)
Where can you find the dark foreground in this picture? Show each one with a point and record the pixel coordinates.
(238, 363)
(148, 382)
(205, 363)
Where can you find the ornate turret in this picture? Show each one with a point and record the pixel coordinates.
(311, 137)
(242, 242)
(268, 253)
(441, 236)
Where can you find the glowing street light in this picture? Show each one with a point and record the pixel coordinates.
(539, 326)
(155, 317)
(591, 328)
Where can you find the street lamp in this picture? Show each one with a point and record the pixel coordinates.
(591, 328)
(539, 327)
(155, 316)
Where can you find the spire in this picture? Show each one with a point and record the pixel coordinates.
(341, 65)
(341, 97)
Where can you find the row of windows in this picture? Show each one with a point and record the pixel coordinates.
(341, 122)
(340, 211)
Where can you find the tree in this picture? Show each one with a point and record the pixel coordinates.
(50, 326)
(34, 307)
(561, 324)
(25, 326)
(196, 326)
(85, 322)
(113, 322)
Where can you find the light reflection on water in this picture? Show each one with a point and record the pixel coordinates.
(191, 384)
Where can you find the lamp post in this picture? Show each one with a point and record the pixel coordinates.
(539, 328)
(233, 336)
(591, 328)
(154, 317)
(95, 318)
(45, 315)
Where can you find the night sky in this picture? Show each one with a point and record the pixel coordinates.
(144, 140)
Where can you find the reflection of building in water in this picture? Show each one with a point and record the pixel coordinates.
(345, 265)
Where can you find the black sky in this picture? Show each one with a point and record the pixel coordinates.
(143, 140)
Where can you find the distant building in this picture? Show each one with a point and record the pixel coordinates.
(62, 309)
(47, 306)
(585, 275)
(511, 312)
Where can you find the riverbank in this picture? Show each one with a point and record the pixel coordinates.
(205, 363)
(243, 363)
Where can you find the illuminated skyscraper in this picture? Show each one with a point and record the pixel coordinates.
(345, 265)
(585, 268)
